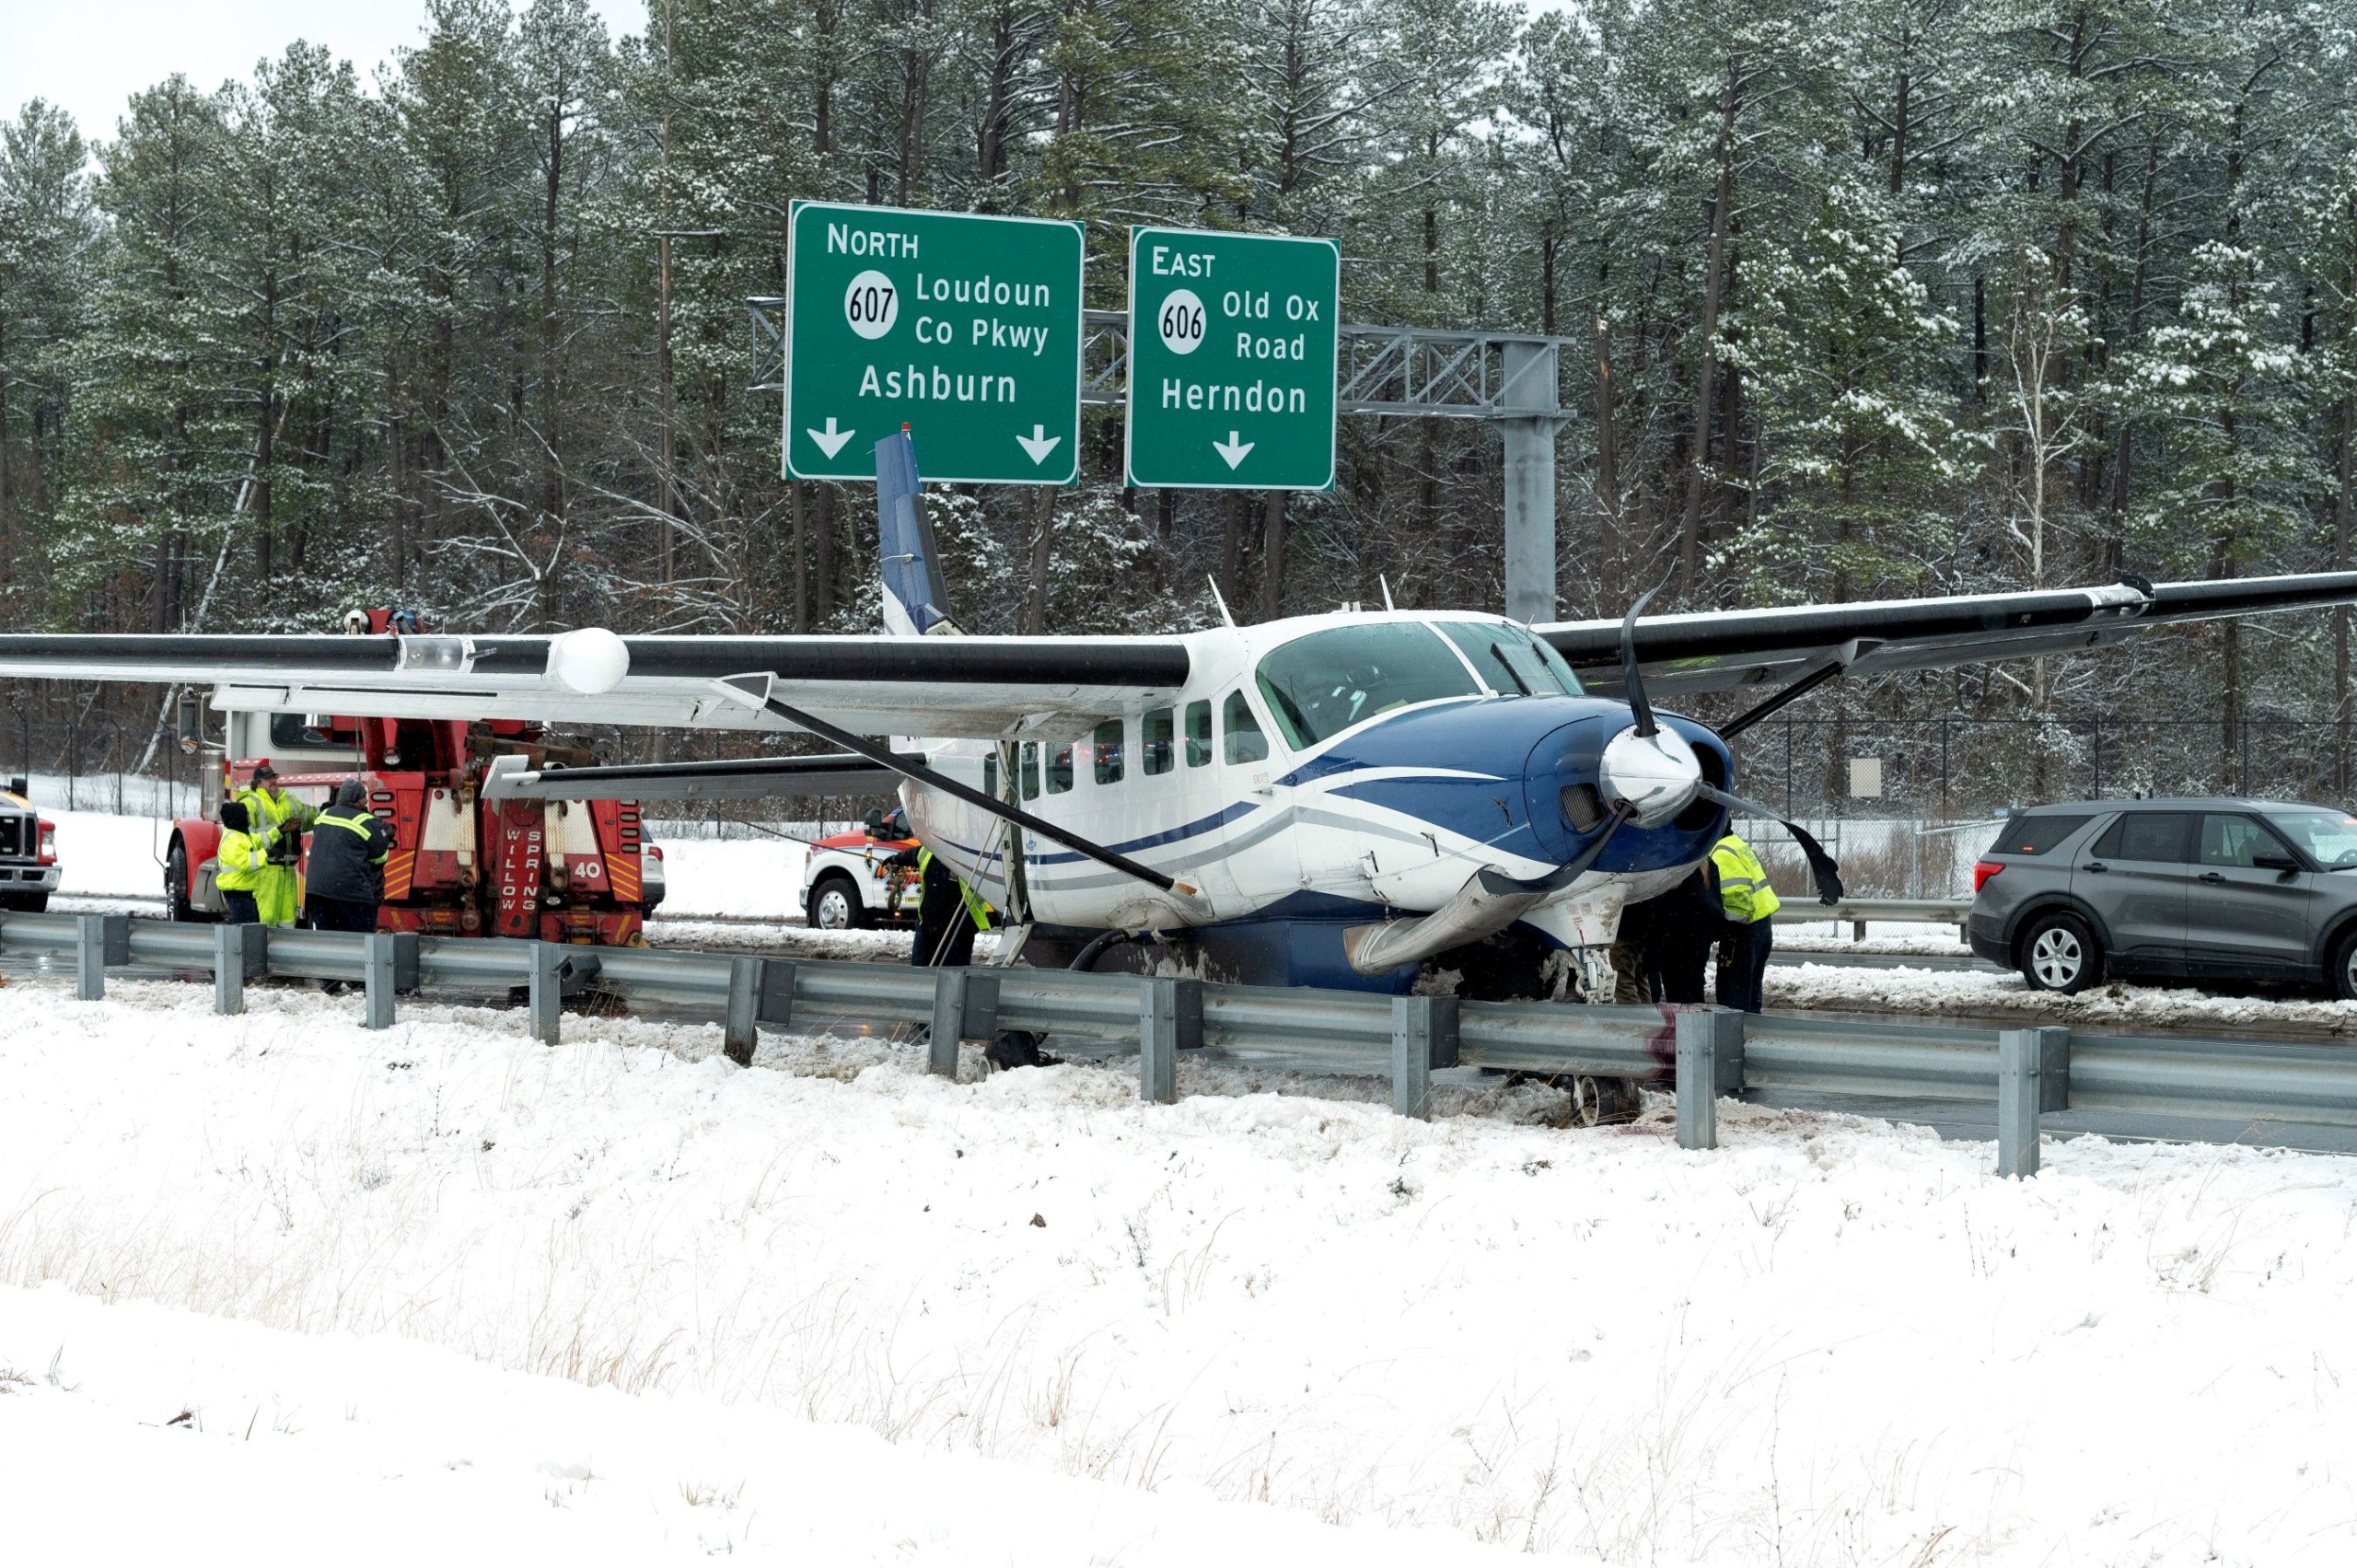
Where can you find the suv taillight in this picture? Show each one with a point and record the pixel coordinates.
(1982, 871)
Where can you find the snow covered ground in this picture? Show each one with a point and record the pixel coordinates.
(100, 854)
(1833, 1342)
(2118, 1006)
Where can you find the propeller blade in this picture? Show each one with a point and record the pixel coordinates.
(1820, 865)
(1634, 681)
(1497, 882)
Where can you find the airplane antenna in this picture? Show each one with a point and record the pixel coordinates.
(1386, 591)
(1222, 602)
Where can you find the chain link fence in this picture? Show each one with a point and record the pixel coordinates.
(1946, 769)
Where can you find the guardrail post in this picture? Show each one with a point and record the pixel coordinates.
(99, 940)
(1709, 1063)
(240, 954)
(948, 1022)
(777, 1004)
(737, 1029)
(378, 949)
(547, 994)
(1159, 1020)
(2033, 1075)
(1424, 1036)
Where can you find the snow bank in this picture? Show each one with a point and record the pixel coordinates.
(100, 854)
(746, 878)
(1984, 994)
(1832, 1341)
(376, 1451)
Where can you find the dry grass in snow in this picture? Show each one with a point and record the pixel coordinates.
(1833, 1342)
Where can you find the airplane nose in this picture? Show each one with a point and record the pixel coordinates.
(1655, 774)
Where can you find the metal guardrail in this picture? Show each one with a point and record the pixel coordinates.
(1939, 911)
(1703, 1051)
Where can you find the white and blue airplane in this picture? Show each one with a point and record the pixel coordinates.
(1349, 799)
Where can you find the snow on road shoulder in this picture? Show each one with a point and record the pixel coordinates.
(1977, 993)
(1832, 1341)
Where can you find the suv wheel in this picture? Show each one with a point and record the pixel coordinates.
(2344, 974)
(2059, 953)
(835, 906)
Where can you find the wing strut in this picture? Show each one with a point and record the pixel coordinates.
(1832, 668)
(886, 758)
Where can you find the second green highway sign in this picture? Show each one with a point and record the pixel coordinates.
(966, 329)
(1232, 360)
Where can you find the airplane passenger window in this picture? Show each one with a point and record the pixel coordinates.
(1106, 746)
(1030, 770)
(1199, 734)
(1320, 685)
(1156, 732)
(1245, 741)
(1060, 769)
(990, 775)
(1511, 659)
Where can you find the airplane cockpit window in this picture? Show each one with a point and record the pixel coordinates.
(1245, 741)
(1060, 769)
(1199, 734)
(1030, 770)
(1106, 747)
(1512, 660)
(1320, 685)
(1155, 733)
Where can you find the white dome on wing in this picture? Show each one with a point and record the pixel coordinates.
(589, 662)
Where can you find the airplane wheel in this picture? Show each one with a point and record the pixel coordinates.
(835, 906)
(1587, 1101)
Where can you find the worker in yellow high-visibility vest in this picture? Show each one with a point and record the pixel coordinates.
(279, 817)
(1746, 902)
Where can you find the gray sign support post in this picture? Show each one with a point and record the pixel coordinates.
(1529, 383)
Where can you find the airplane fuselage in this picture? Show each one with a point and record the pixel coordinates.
(1324, 772)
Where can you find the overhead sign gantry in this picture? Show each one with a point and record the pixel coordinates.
(966, 329)
(1230, 372)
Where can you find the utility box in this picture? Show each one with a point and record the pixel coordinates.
(1866, 778)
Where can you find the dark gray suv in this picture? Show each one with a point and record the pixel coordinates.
(2171, 889)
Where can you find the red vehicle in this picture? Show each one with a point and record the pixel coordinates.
(29, 869)
(575, 871)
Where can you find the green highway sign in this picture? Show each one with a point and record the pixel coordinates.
(1232, 360)
(966, 329)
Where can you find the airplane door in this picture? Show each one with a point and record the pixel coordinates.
(2135, 877)
(1261, 852)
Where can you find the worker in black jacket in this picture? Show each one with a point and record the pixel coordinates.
(345, 881)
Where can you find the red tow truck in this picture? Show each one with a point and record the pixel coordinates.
(578, 871)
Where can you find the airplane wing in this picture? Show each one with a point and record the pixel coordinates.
(751, 778)
(980, 688)
(1763, 649)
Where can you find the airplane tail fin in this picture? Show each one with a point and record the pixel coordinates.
(905, 556)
